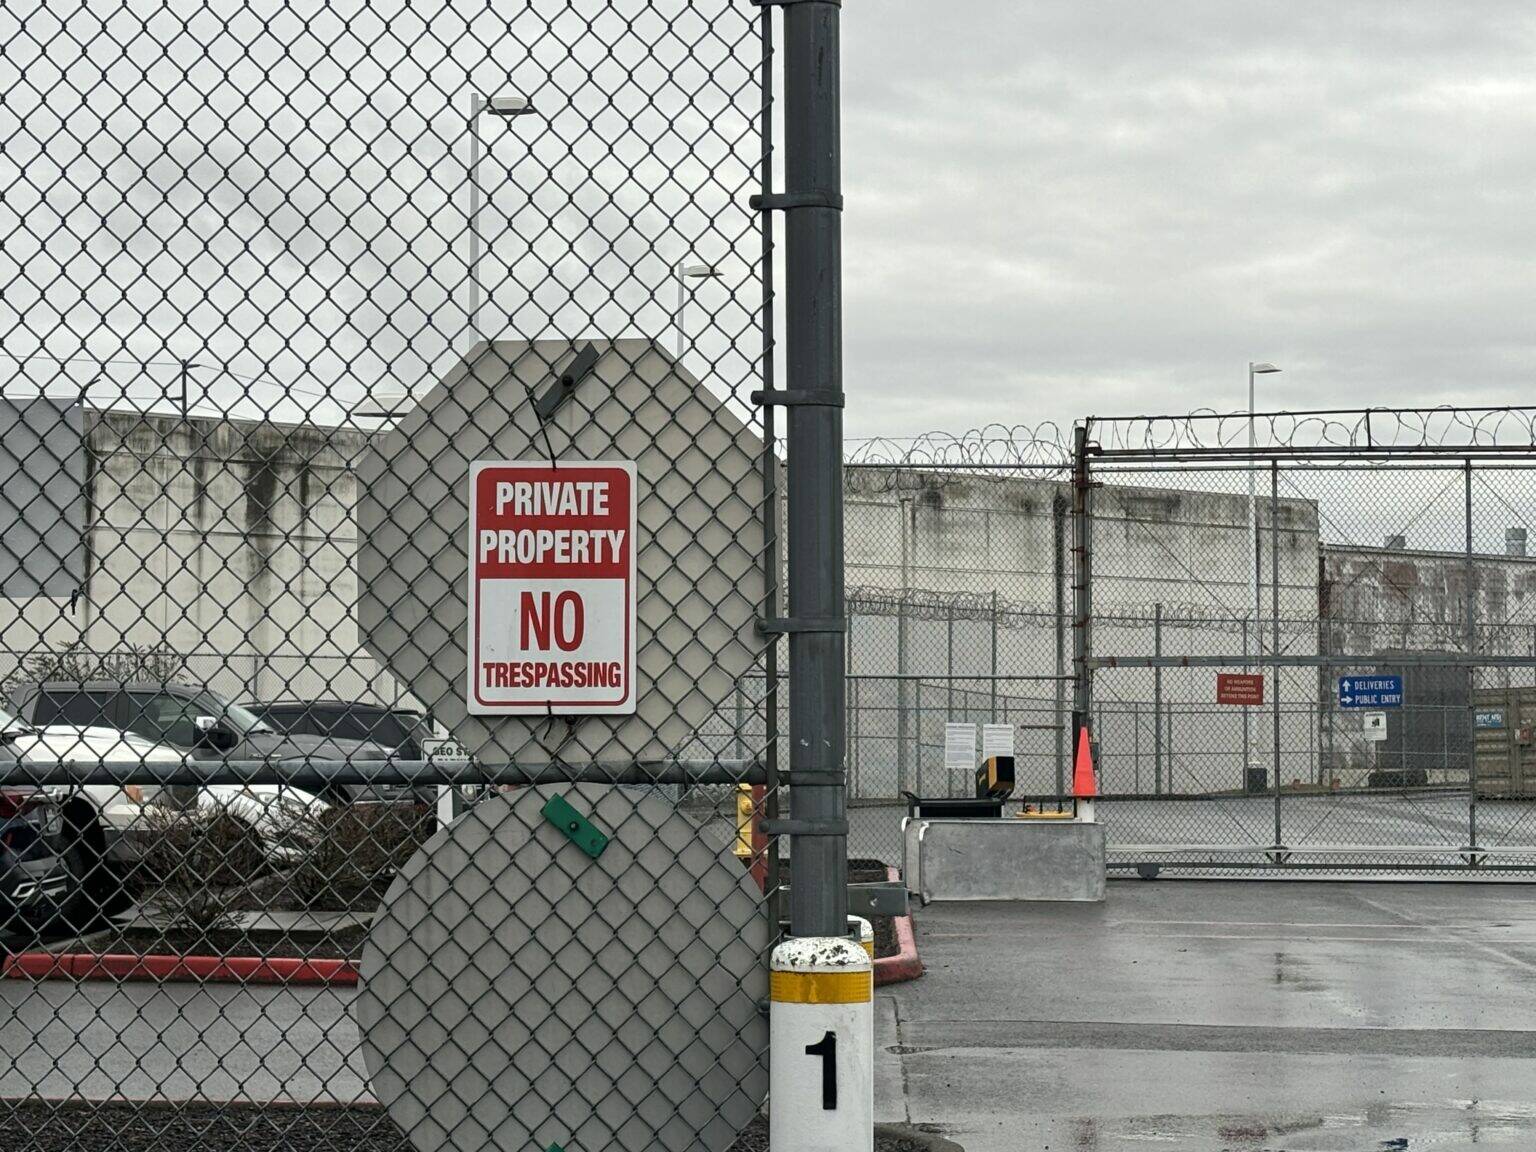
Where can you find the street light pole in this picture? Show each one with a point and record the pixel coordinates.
(506, 106)
(684, 271)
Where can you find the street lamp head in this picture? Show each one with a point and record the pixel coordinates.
(1262, 369)
(509, 105)
(697, 271)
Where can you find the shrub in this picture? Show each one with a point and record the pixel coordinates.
(355, 852)
(155, 663)
(195, 861)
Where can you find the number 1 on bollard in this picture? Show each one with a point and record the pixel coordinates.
(826, 1048)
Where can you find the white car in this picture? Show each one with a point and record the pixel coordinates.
(270, 809)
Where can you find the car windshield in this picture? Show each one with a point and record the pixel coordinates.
(242, 720)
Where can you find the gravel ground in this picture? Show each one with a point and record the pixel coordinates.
(126, 1127)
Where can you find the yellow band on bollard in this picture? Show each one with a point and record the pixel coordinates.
(821, 987)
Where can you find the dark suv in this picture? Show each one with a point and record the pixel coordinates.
(402, 730)
(195, 720)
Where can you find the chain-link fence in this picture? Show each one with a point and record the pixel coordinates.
(380, 450)
(1370, 570)
(1383, 548)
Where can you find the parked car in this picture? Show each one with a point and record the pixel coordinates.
(197, 722)
(39, 881)
(408, 733)
(405, 731)
(105, 824)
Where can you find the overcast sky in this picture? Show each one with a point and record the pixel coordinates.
(1053, 208)
(1061, 207)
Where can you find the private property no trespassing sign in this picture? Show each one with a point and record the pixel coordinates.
(551, 587)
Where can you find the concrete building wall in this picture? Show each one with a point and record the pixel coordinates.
(946, 568)
(229, 544)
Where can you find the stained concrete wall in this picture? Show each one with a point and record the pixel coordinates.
(229, 543)
(927, 552)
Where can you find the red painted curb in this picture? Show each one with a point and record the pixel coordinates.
(906, 964)
(202, 969)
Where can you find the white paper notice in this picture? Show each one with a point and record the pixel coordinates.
(996, 740)
(960, 747)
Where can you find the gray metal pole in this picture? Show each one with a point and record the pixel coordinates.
(949, 659)
(1059, 526)
(1471, 642)
(1082, 582)
(813, 329)
(848, 712)
(476, 106)
(1135, 747)
(1169, 785)
(917, 735)
(1157, 701)
(902, 629)
(994, 655)
(772, 552)
(680, 320)
(1247, 748)
(1274, 604)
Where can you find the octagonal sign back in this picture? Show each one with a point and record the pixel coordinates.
(694, 547)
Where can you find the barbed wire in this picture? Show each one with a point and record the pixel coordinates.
(1370, 429)
(1044, 450)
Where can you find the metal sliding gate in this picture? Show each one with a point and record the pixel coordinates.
(1306, 642)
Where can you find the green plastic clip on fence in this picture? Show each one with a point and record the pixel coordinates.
(577, 828)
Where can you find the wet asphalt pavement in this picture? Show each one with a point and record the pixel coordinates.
(1218, 1015)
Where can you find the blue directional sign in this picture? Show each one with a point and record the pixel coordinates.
(1370, 691)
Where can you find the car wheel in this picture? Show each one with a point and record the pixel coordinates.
(98, 890)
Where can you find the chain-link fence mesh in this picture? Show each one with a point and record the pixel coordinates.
(1346, 543)
(275, 277)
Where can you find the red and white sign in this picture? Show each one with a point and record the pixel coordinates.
(1239, 688)
(551, 587)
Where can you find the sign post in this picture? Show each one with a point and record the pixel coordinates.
(551, 587)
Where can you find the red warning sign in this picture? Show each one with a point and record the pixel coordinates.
(551, 587)
(1239, 688)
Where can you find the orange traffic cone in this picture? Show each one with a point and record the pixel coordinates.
(1084, 784)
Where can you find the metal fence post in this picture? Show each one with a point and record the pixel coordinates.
(1135, 747)
(772, 551)
(994, 656)
(917, 734)
(1168, 785)
(1082, 579)
(902, 630)
(1471, 646)
(1247, 750)
(1274, 624)
(814, 355)
(949, 663)
(1157, 701)
(1059, 581)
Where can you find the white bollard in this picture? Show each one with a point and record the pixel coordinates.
(865, 931)
(1085, 811)
(821, 1070)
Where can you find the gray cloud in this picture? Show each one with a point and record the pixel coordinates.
(1060, 208)
(1053, 208)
